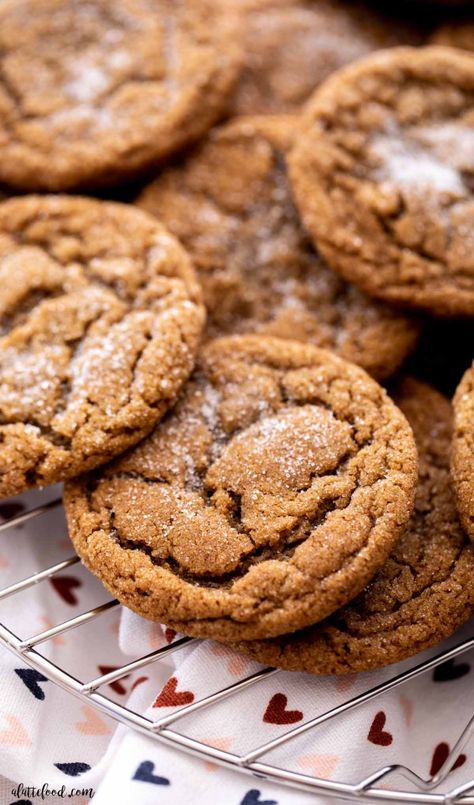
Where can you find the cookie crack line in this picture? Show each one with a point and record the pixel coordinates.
(327, 502)
(282, 550)
(48, 431)
(285, 605)
(420, 593)
(300, 596)
(387, 222)
(33, 298)
(93, 276)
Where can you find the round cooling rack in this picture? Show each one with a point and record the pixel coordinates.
(253, 762)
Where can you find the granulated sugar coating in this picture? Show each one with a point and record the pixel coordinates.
(422, 594)
(383, 174)
(463, 450)
(265, 500)
(230, 204)
(92, 92)
(291, 46)
(100, 319)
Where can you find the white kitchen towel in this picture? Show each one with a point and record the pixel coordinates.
(48, 737)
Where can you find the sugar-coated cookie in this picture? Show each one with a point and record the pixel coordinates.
(92, 93)
(266, 499)
(383, 174)
(230, 204)
(100, 319)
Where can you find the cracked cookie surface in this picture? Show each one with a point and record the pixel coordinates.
(92, 92)
(383, 174)
(422, 594)
(463, 450)
(100, 319)
(290, 46)
(230, 204)
(266, 499)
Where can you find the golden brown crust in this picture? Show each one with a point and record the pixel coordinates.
(424, 590)
(268, 497)
(383, 175)
(100, 318)
(291, 46)
(463, 450)
(92, 93)
(230, 204)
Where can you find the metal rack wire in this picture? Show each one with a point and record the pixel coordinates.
(165, 729)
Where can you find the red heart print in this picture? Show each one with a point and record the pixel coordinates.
(139, 681)
(276, 712)
(64, 586)
(439, 756)
(377, 735)
(117, 685)
(170, 697)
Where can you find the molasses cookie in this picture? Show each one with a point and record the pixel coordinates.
(383, 173)
(290, 46)
(91, 93)
(100, 318)
(230, 204)
(463, 450)
(268, 497)
(424, 590)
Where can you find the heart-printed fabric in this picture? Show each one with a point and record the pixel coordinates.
(411, 725)
(47, 735)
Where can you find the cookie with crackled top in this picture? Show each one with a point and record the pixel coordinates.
(100, 320)
(230, 204)
(383, 174)
(92, 93)
(422, 594)
(463, 450)
(266, 499)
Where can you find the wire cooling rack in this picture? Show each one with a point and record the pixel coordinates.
(166, 729)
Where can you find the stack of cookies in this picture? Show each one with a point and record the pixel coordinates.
(280, 203)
